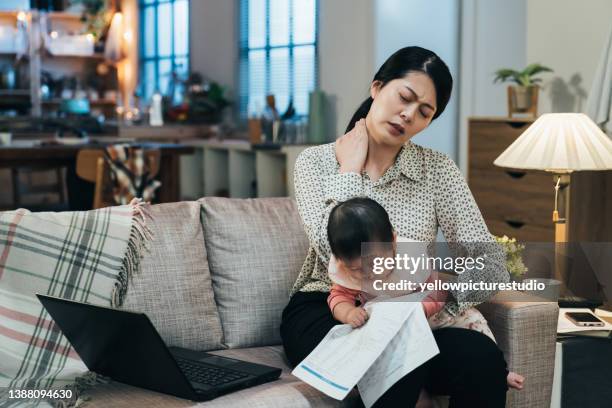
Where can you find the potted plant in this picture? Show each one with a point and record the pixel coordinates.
(522, 97)
(206, 100)
(96, 15)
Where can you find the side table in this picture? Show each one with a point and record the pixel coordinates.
(583, 373)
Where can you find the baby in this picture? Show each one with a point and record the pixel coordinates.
(364, 220)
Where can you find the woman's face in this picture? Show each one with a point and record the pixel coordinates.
(401, 108)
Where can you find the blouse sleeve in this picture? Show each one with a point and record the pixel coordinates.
(317, 193)
(462, 223)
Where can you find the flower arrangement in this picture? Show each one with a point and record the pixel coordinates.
(514, 259)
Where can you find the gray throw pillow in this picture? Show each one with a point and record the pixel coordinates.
(174, 287)
(256, 248)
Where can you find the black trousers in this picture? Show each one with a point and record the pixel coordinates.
(470, 367)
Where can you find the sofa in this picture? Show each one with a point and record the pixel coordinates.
(217, 276)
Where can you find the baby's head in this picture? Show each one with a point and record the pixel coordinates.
(355, 221)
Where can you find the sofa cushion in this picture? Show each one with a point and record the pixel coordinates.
(174, 286)
(288, 391)
(255, 248)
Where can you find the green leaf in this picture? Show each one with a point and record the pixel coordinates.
(523, 78)
(534, 69)
(503, 75)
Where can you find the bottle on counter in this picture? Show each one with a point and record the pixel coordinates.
(317, 118)
(269, 118)
(255, 125)
(156, 117)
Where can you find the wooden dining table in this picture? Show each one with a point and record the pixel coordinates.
(23, 153)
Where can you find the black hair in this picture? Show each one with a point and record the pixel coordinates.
(355, 221)
(403, 61)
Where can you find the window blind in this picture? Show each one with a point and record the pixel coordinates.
(278, 53)
(164, 45)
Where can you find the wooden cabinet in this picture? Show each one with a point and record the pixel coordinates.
(519, 203)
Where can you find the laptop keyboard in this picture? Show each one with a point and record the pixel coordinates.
(205, 374)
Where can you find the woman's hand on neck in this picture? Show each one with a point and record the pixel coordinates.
(352, 148)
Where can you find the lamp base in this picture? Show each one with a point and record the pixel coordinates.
(562, 182)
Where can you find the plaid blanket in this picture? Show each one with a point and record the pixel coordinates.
(83, 256)
(130, 173)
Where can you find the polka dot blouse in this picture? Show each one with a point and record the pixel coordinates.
(421, 191)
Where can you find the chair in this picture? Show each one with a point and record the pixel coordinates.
(91, 166)
(33, 186)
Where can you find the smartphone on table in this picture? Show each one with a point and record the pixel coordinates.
(584, 319)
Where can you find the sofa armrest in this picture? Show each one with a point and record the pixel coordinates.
(526, 332)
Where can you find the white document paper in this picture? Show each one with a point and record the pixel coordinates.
(413, 345)
(376, 353)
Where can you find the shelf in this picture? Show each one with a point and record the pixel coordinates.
(8, 14)
(15, 92)
(13, 55)
(216, 174)
(231, 168)
(40, 59)
(97, 56)
(58, 15)
(99, 102)
(54, 15)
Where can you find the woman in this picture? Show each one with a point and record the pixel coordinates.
(421, 189)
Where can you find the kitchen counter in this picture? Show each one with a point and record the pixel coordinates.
(23, 127)
(168, 132)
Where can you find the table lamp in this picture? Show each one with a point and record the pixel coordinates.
(559, 143)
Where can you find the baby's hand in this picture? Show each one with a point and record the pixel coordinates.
(357, 317)
(515, 380)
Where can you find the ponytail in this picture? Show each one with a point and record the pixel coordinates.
(360, 113)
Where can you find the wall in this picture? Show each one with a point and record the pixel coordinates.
(213, 27)
(568, 36)
(214, 40)
(493, 36)
(346, 57)
(400, 23)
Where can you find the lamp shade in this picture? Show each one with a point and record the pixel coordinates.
(559, 142)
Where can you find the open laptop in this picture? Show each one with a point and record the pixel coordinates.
(126, 347)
